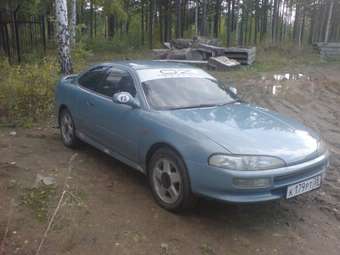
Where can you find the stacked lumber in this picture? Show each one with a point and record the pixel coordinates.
(329, 51)
(246, 56)
(222, 63)
(200, 49)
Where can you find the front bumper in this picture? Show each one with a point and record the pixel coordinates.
(217, 183)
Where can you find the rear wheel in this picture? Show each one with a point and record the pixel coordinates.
(169, 181)
(67, 129)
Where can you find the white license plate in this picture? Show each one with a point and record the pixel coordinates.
(303, 187)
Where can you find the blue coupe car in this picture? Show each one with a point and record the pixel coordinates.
(189, 134)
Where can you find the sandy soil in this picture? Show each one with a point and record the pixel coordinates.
(108, 208)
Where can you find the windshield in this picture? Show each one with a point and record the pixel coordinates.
(179, 93)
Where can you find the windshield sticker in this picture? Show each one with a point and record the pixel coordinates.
(153, 74)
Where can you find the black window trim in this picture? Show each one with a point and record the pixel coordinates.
(89, 70)
(108, 68)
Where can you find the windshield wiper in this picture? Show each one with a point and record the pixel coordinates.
(231, 102)
(194, 106)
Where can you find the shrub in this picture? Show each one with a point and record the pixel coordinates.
(27, 91)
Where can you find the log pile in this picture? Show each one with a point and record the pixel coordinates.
(202, 50)
(329, 51)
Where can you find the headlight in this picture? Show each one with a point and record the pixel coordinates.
(245, 162)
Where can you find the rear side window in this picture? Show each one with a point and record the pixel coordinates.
(92, 78)
(116, 81)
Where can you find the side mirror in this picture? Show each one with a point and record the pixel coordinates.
(125, 98)
(233, 90)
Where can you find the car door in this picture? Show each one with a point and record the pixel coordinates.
(85, 100)
(117, 125)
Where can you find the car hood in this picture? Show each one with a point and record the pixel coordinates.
(245, 129)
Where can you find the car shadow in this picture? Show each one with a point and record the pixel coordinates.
(246, 216)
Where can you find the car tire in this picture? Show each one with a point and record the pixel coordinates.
(169, 181)
(68, 130)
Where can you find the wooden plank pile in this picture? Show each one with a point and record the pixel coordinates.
(222, 63)
(329, 51)
(246, 56)
(205, 50)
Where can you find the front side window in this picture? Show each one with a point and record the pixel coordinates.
(186, 92)
(116, 81)
(93, 77)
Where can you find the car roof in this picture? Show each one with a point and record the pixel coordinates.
(153, 69)
(150, 64)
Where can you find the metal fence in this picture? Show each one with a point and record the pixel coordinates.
(20, 37)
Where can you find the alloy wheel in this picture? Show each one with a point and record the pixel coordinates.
(167, 180)
(67, 128)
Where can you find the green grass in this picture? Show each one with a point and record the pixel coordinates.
(38, 200)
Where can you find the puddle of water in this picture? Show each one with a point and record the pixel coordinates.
(277, 88)
(288, 76)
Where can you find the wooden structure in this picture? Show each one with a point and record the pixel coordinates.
(329, 51)
(198, 49)
(246, 56)
(222, 63)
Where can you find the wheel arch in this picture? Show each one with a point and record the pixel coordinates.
(61, 108)
(157, 146)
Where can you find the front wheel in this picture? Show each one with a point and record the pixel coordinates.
(169, 181)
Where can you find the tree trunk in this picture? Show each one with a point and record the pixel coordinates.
(330, 12)
(296, 22)
(274, 21)
(151, 6)
(91, 18)
(50, 24)
(161, 22)
(301, 30)
(257, 15)
(178, 19)
(16, 31)
(142, 22)
(184, 17)
(95, 24)
(63, 37)
(233, 22)
(264, 20)
(312, 25)
(105, 27)
(196, 17)
(229, 28)
(111, 26)
(204, 18)
(7, 43)
(236, 23)
(217, 17)
(43, 32)
(73, 22)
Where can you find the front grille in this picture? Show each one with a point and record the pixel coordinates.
(304, 173)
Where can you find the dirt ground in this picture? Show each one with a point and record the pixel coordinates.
(108, 207)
